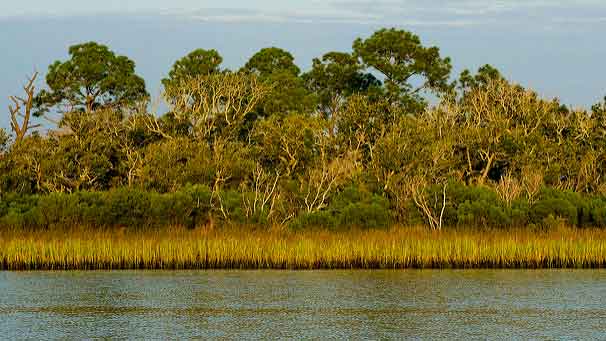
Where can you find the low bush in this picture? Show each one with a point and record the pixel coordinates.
(132, 208)
(352, 207)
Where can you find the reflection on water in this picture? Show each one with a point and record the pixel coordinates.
(314, 304)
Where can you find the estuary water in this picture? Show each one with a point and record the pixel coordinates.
(417, 304)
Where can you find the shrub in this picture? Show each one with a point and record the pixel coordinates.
(553, 207)
(353, 207)
(323, 219)
(470, 205)
(19, 211)
(573, 207)
(123, 207)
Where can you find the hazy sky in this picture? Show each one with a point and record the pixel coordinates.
(554, 46)
(421, 12)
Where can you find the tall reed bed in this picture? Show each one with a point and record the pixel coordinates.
(396, 248)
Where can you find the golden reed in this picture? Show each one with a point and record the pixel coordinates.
(230, 248)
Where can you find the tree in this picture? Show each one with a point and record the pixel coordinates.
(361, 122)
(401, 58)
(288, 95)
(93, 77)
(599, 109)
(500, 129)
(4, 139)
(24, 168)
(288, 144)
(336, 76)
(169, 164)
(277, 69)
(485, 74)
(22, 110)
(199, 62)
(271, 60)
(215, 103)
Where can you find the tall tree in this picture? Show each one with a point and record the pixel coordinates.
(93, 77)
(403, 60)
(336, 76)
(276, 68)
(271, 60)
(199, 62)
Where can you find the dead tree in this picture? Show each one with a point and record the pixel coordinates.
(265, 190)
(435, 219)
(21, 110)
(212, 100)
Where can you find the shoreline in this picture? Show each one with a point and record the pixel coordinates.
(246, 249)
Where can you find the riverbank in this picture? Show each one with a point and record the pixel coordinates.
(228, 248)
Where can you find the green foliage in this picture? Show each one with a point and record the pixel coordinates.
(22, 167)
(288, 144)
(361, 209)
(335, 77)
(94, 77)
(334, 147)
(598, 212)
(125, 207)
(199, 62)
(17, 210)
(482, 213)
(475, 206)
(599, 109)
(288, 95)
(4, 140)
(485, 74)
(320, 219)
(169, 165)
(353, 207)
(271, 60)
(400, 57)
(545, 210)
(276, 68)
(570, 206)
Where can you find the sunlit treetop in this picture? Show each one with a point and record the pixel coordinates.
(93, 77)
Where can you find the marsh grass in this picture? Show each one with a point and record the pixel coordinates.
(238, 248)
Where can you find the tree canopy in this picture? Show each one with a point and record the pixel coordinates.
(485, 74)
(4, 139)
(400, 57)
(271, 60)
(94, 77)
(336, 76)
(199, 62)
(600, 107)
(276, 68)
(334, 145)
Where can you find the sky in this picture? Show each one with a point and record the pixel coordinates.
(416, 12)
(553, 46)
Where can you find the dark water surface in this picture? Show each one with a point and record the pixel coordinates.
(478, 304)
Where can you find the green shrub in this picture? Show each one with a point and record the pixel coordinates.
(598, 214)
(553, 207)
(123, 207)
(469, 205)
(352, 207)
(323, 219)
(482, 213)
(19, 211)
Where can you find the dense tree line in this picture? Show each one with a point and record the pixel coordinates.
(354, 141)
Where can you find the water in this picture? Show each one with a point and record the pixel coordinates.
(482, 304)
